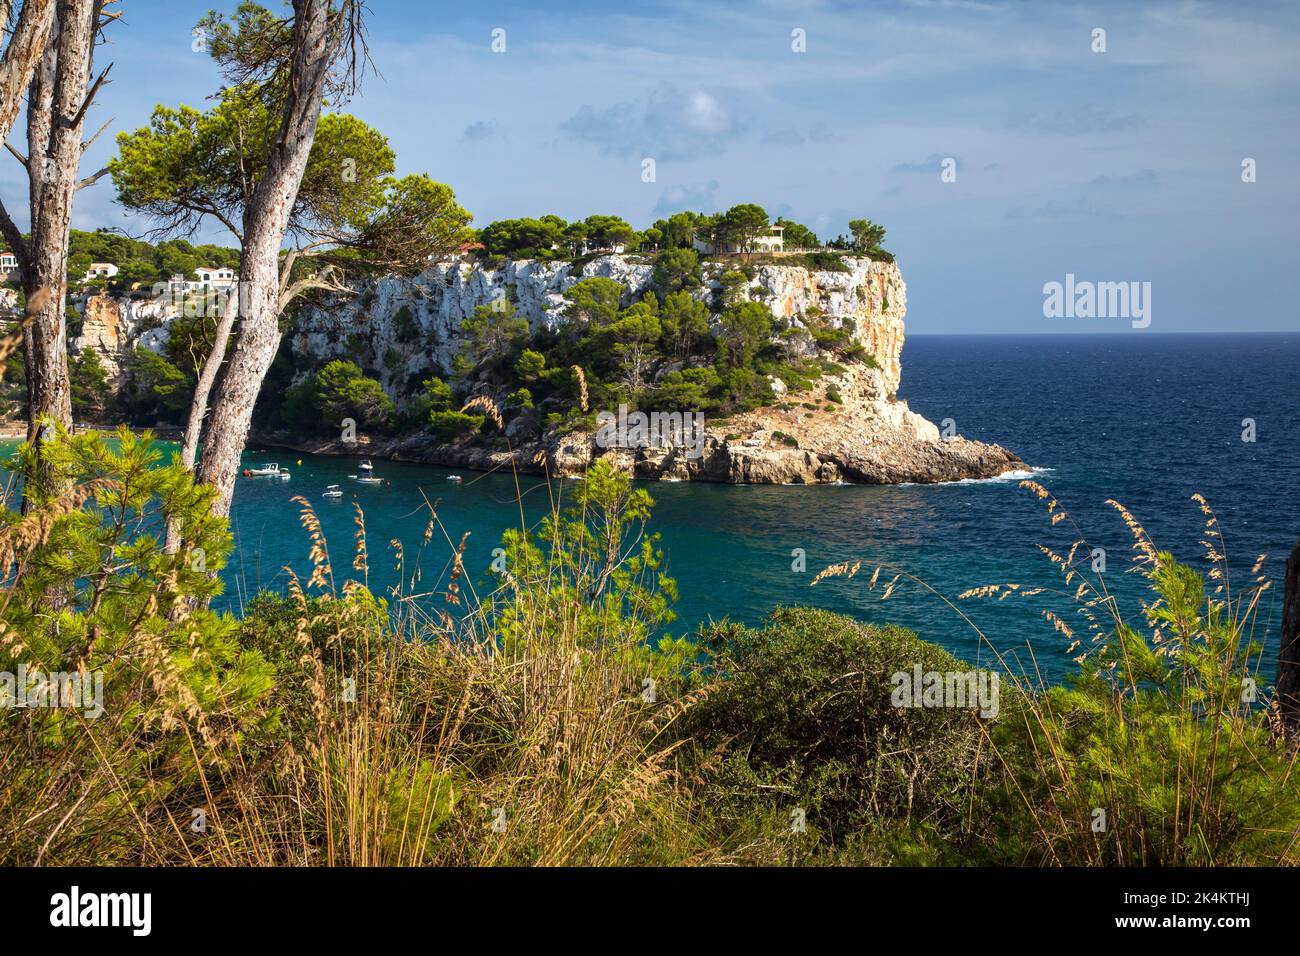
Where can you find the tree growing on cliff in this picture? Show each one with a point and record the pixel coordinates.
(493, 338)
(676, 269)
(867, 235)
(685, 322)
(607, 232)
(744, 329)
(742, 226)
(678, 231)
(155, 391)
(336, 391)
(268, 166)
(797, 236)
(90, 391)
(525, 238)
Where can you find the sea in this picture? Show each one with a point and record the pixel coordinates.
(1143, 420)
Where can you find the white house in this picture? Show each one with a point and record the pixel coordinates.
(101, 270)
(774, 241)
(221, 277)
(615, 248)
(8, 267)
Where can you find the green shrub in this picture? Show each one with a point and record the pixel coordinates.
(92, 592)
(450, 425)
(826, 262)
(1153, 754)
(802, 711)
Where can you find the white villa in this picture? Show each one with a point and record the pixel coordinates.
(221, 276)
(220, 279)
(774, 241)
(8, 267)
(616, 248)
(101, 270)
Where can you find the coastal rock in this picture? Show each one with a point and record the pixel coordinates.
(848, 426)
(114, 325)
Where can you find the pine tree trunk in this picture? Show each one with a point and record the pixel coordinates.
(54, 122)
(199, 408)
(1288, 657)
(265, 222)
(21, 54)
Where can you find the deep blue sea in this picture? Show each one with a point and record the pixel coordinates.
(1144, 419)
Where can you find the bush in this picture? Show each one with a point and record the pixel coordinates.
(450, 425)
(802, 710)
(826, 262)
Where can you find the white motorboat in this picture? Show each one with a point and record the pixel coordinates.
(366, 467)
(333, 491)
(368, 479)
(455, 478)
(271, 470)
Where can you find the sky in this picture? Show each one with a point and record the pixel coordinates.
(1115, 166)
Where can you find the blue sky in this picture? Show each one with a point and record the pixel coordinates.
(1115, 166)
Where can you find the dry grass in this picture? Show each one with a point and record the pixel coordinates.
(1162, 754)
(411, 737)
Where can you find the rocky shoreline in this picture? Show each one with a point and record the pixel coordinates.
(864, 438)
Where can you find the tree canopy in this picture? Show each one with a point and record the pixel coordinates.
(188, 165)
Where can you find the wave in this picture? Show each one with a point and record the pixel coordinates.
(1007, 477)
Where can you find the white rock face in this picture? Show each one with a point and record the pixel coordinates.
(408, 328)
(113, 326)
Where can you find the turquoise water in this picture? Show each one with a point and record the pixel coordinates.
(1145, 419)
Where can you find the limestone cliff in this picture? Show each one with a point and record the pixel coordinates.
(113, 326)
(406, 327)
(848, 427)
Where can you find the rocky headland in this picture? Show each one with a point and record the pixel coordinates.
(849, 426)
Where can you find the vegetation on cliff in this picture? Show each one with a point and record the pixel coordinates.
(680, 348)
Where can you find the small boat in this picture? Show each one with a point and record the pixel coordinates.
(368, 480)
(271, 470)
(455, 478)
(366, 466)
(333, 491)
(283, 475)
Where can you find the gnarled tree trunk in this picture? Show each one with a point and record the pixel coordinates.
(56, 109)
(25, 47)
(265, 220)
